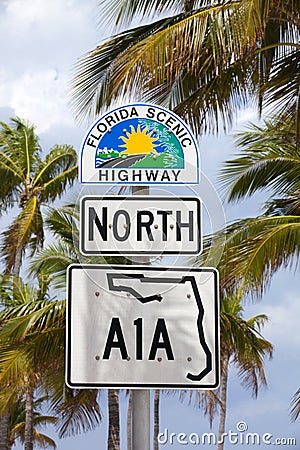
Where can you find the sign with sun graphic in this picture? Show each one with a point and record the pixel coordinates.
(139, 144)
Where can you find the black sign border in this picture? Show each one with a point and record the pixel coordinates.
(72, 385)
(147, 198)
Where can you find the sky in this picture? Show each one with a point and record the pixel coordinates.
(40, 41)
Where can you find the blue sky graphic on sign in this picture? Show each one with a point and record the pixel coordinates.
(149, 143)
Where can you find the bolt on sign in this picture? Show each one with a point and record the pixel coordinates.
(142, 327)
(139, 144)
(114, 225)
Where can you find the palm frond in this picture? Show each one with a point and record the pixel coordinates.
(213, 99)
(42, 440)
(79, 412)
(32, 317)
(201, 41)
(242, 341)
(9, 167)
(14, 292)
(60, 158)
(255, 249)
(154, 54)
(53, 261)
(58, 170)
(295, 406)
(120, 12)
(287, 206)
(64, 223)
(282, 88)
(268, 161)
(20, 144)
(209, 401)
(251, 362)
(17, 421)
(90, 87)
(13, 363)
(26, 229)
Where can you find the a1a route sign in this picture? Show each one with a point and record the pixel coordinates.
(142, 327)
(140, 225)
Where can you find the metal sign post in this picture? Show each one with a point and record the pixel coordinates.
(140, 397)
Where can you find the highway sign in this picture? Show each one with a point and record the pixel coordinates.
(142, 327)
(114, 225)
(139, 144)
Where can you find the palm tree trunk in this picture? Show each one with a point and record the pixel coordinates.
(129, 422)
(18, 261)
(224, 379)
(113, 442)
(156, 418)
(4, 419)
(28, 434)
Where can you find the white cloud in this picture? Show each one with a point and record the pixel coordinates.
(40, 42)
(284, 314)
(246, 115)
(40, 96)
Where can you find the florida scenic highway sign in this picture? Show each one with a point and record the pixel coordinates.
(142, 327)
(150, 225)
(139, 144)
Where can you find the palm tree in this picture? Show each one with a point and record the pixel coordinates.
(241, 346)
(19, 368)
(17, 423)
(32, 355)
(54, 260)
(113, 441)
(156, 418)
(204, 60)
(29, 181)
(255, 248)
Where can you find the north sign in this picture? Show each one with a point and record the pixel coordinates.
(142, 327)
(114, 225)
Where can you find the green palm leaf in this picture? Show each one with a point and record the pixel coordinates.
(17, 423)
(154, 54)
(21, 145)
(267, 161)
(79, 412)
(283, 87)
(25, 230)
(58, 170)
(31, 318)
(54, 261)
(64, 223)
(122, 12)
(29, 181)
(218, 95)
(199, 47)
(42, 440)
(242, 342)
(255, 249)
(295, 406)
